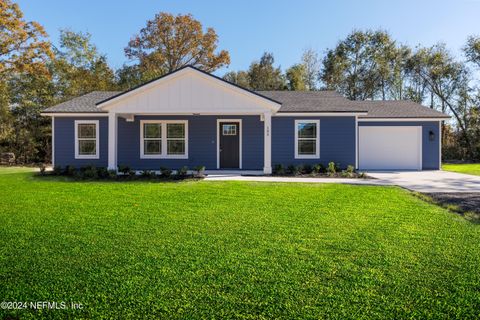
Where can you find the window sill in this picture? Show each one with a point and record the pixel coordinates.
(164, 157)
(79, 157)
(307, 157)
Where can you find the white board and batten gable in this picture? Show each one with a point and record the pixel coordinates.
(189, 91)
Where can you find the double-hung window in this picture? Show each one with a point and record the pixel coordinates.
(164, 139)
(307, 140)
(86, 139)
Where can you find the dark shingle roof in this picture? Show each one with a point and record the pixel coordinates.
(312, 101)
(398, 109)
(85, 103)
(292, 101)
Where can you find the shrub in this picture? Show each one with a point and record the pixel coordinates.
(102, 172)
(362, 175)
(307, 169)
(147, 173)
(350, 169)
(279, 169)
(70, 170)
(346, 174)
(297, 169)
(332, 168)
(89, 172)
(318, 168)
(182, 172)
(124, 169)
(291, 169)
(57, 170)
(132, 173)
(165, 172)
(112, 173)
(200, 171)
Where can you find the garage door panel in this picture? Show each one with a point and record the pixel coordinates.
(390, 148)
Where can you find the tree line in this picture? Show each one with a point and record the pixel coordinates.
(367, 64)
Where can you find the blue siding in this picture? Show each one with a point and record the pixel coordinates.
(430, 149)
(202, 144)
(65, 142)
(337, 141)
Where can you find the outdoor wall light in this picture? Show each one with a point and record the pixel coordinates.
(431, 135)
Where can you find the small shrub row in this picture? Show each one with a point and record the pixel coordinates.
(332, 170)
(91, 172)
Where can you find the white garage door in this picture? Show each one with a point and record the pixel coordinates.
(390, 148)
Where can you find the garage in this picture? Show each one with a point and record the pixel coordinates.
(390, 148)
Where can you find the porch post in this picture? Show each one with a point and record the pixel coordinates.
(112, 141)
(267, 149)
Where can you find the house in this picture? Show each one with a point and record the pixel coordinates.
(189, 118)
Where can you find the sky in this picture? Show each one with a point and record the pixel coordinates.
(248, 28)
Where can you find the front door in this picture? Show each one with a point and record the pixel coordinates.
(229, 145)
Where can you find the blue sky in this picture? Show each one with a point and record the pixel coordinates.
(248, 28)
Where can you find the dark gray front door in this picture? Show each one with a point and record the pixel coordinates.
(229, 145)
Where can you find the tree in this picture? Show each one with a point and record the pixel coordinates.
(239, 78)
(472, 50)
(264, 76)
(360, 65)
(312, 68)
(24, 52)
(23, 48)
(170, 42)
(297, 77)
(79, 68)
(448, 81)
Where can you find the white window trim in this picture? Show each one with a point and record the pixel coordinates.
(317, 140)
(163, 140)
(97, 140)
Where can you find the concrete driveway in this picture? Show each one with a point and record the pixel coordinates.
(430, 181)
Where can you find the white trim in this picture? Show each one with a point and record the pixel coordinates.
(319, 114)
(240, 130)
(356, 142)
(164, 140)
(75, 115)
(267, 146)
(317, 142)
(399, 119)
(439, 145)
(112, 141)
(97, 140)
(420, 144)
(53, 141)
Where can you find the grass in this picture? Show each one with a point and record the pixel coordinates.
(467, 168)
(232, 250)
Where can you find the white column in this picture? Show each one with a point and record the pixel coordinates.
(356, 142)
(112, 141)
(53, 141)
(267, 149)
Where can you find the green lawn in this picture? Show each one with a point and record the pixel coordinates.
(468, 168)
(233, 250)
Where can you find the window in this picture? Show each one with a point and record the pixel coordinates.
(307, 142)
(161, 139)
(229, 129)
(86, 139)
(152, 138)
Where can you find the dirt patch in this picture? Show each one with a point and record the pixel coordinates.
(467, 204)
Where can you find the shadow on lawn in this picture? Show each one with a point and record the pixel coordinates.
(120, 178)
